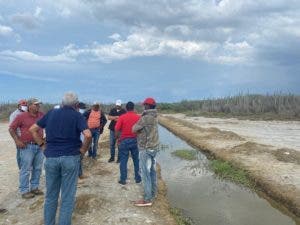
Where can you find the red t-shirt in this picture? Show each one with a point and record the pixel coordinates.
(125, 124)
(24, 121)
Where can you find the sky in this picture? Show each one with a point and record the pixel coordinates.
(170, 50)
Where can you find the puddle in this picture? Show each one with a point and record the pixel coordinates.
(208, 200)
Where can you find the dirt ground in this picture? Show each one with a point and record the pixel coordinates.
(100, 199)
(269, 151)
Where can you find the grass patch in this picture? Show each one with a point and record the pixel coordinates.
(179, 217)
(226, 171)
(185, 154)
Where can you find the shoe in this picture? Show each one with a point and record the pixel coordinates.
(37, 192)
(83, 177)
(142, 203)
(28, 195)
(138, 181)
(118, 161)
(3, 211)
(122, 182)
(111, 160)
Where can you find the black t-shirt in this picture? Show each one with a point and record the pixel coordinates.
(115, 112)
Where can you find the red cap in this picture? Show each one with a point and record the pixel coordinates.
(22, 102)
(149, 101)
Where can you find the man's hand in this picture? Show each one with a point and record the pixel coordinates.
(20, 144)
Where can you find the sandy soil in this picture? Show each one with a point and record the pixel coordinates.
(100, 199)
(275, 168)
(281, 134)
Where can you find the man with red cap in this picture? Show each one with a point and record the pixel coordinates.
(147, 134)
(22, 107)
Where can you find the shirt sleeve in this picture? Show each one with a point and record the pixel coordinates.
(119, 124)
(16, 123)
(139, 125)
(111, 112)
(43, 121)
(81, 124)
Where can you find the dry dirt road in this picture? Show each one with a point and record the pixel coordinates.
(100, 199)
(269, 151)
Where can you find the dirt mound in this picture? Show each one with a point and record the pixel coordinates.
(88, 202)
(287, 155)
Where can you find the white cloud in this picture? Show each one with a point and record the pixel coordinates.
(144, 43)
(5, 30)
(29, 77)
(29, 56)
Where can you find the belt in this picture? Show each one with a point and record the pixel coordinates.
(31, 143)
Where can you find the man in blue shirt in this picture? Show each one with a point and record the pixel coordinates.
(62, 150)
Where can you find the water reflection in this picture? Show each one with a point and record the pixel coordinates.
(205, 198)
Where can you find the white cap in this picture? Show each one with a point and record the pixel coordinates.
(118, 102)
(96, 103)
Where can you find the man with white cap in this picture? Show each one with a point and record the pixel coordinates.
(22, 107)
(113, 116)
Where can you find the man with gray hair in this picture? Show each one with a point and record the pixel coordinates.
(62, 150)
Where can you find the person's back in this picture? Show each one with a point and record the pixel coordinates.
(125, 124)
(63, 130)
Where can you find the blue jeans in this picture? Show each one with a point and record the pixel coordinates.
(148, 172)
(18, 157)
(31, 167)
(126, 146)
(112, 144)
(61, 176)
(80, 166)
(94, 146)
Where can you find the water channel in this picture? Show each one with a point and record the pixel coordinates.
(208, 200)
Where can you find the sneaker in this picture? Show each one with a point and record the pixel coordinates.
(122, 182)
(118, 161)
(37, 192)
(28, 195)
(142, 203)
(111, 160)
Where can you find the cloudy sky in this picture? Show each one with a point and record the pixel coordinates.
(168, 49)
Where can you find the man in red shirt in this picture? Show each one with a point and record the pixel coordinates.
(128, 143)
(30, 152)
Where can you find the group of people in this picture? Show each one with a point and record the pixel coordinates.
(63, 136)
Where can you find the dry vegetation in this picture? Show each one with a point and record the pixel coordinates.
(276, 106)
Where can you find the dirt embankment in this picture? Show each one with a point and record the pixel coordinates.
(100, 199)
(275, 170)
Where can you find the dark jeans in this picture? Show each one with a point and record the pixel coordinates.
(129, 145)
(94, 146)
(112, 144)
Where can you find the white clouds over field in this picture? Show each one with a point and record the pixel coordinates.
(229, 36)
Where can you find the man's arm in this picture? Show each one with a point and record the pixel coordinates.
(86, 141)
(138, 126)
(13, 134)
(34, 130)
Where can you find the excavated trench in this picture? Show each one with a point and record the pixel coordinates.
(205, 198)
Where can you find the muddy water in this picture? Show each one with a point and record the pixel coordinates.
(208, 200)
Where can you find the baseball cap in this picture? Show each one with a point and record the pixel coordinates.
(118, 102)
(149, 101)
(33, 101)
(22, 102)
